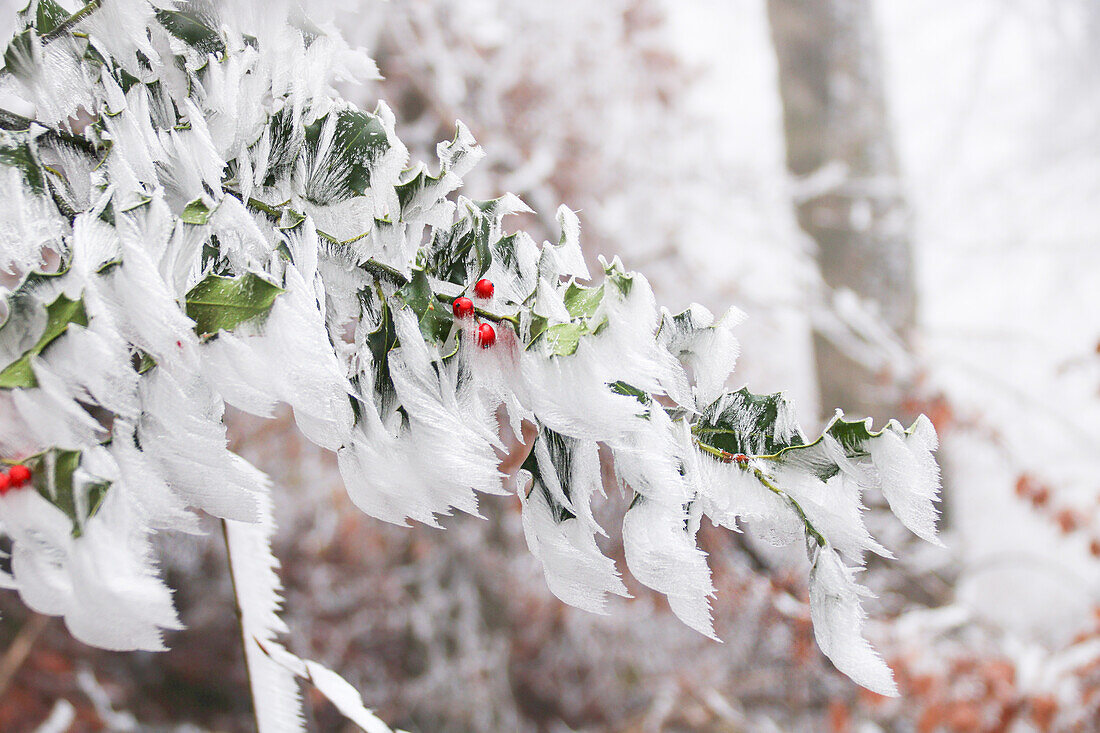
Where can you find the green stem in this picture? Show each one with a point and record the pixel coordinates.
(764, 479)
(489, 315)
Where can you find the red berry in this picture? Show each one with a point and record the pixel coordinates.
(5, 483)
(19, 475)
(486, 336)
(463, 307)
(484, 289)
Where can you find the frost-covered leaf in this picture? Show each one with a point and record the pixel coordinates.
(896, 461)
(59, 314)
(558, 522)
(48, 15)
(222, 303)
(345, 145)
(345, 697)
(751, 424)
(463, 252)
(838, 617)
(582, 302)
(659, 543)
(52, 474)
(16, 151)
(435, 317)
(707, 346)
(196, 212)
(420, 191)
(191, 28)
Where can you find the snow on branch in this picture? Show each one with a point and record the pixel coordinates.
(226, 230)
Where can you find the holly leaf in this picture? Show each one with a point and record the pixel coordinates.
(358, 141)
(21, 57)
(618, 277)
(52, 476)
(222, 303)
(196, 212)
(630, 390)
(463, 253)
(582, 302)
(564, 338)
(555, 488)
(286, 140)
(851, 435)
(435, 318)
(189, 27)
(743, 422)
(421, 190)
(16, 152)
(380, 342)
(48, 15)
(59, 314)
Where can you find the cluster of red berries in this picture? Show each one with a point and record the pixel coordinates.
(16, 477)
(463, 307)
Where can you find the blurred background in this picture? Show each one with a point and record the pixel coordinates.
(904, 199)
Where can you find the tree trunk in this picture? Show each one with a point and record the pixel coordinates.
(834, 112)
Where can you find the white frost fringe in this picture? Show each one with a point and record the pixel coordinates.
(273, 670)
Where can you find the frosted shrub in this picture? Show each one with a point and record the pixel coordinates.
(222, 229)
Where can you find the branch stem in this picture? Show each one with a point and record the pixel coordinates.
(764, 479)
(488, 315)
(240, 617)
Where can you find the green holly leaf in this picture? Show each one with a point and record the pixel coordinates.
(196, 212)
(358, 142)
(630, 390)
(517, 255)
(380, 342)
(286, 140)
(743, 422)
(52, 476)
(562, 339)
(852, 435)
(222, 303)
(618, 276)
(463, 253)
(21, 57)
(582, 302)
(434, 316)
(420, 189)
(59, 314)
(16, 152)
(764, 426)
(189, 27)
(49, 15)
(560, 448)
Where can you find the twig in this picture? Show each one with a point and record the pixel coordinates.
(20, 649)
(240, 617)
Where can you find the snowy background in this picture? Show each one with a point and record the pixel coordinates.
(662, 123)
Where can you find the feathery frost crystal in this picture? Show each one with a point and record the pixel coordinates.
(225, 230)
